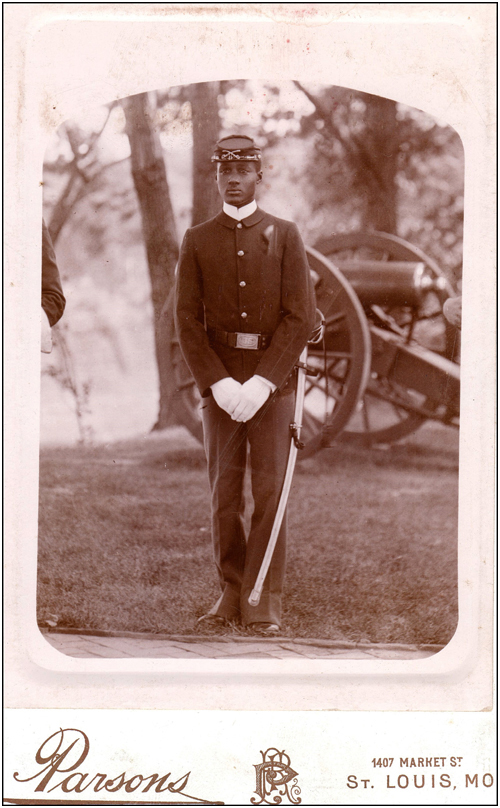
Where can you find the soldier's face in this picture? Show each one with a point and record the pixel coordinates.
(237, 181)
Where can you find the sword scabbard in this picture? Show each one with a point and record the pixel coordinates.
(295, 444)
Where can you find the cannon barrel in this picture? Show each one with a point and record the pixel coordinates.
(390, 283)
(402, 291)
(373, 382)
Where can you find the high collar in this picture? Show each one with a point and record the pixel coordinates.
(225, 220)
(240, 213)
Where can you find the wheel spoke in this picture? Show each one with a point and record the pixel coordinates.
(321, 374)
(364, 411)
(339, 354)
(336, 361)
(334, 318)
(401, 414)
(316, 385)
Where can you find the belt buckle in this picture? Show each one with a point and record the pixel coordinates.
(248, 341)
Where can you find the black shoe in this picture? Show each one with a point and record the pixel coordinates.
(264, 629)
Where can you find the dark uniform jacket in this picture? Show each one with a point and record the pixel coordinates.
(53, 300)
(249, 277)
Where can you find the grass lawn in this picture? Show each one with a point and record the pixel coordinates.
(124, 539)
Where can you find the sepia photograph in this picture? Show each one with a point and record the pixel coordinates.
(249, 500)
(250, 386)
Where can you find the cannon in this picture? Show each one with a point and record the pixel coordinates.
(388, 359)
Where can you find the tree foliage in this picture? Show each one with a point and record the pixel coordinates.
(355, 141)
(358, 162)
(118, 193)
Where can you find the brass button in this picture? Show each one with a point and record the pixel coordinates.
(239, 225)
(242, 283)
(240, 252)
(244, 314)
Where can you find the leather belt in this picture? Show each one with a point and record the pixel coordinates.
(238, 339)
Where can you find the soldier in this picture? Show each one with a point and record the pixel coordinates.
(244, 312)
(53, 300)
(452, 310)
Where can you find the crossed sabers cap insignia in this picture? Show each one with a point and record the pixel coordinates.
(227, 155)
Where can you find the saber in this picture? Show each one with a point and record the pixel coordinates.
(295, 444)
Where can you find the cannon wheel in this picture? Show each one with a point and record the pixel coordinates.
(186, 399)
(342, 361)
(329, 399)
(377, 419)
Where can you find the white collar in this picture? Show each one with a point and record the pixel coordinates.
(240, 213)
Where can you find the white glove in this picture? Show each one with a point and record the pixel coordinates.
(227, 394)
(254, 393)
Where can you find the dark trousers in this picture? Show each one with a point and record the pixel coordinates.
(238, 558)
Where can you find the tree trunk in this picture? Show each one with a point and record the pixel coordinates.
(150, 180)
(206, 128)
(381, 194)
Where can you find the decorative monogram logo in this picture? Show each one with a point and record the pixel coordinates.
(275, 774)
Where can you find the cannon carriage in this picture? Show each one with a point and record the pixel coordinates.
(387, 361)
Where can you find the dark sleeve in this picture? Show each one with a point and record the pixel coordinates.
(201, 359)
(298, 305)
(53, 300)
